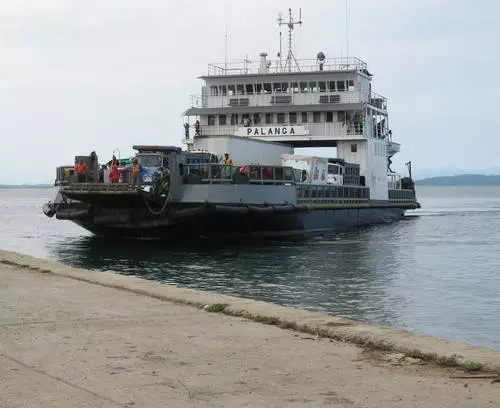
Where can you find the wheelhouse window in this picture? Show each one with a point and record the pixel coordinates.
(234, 119)
(303, 87)
(231, 90)
(150, 160)
(341, 86)
(304, 117)
(350, 84)
(268, 88)
(316, 117)
(293, 118)
(277, 87)
(329, 116)
(249, 89)
(334, 169)
(281, 118)
(295, 87)
(322, 86)
(269, 118)
(354, 148)
(214, 90)
(256, 118)
(258, 88)
(331, 86)
(222, 120)
(211, 120)
(313, 87)
(284, 87)
(240, 89)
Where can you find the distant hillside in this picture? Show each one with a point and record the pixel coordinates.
(461, 180)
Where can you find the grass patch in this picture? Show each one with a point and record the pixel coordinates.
(12, 263)
(216, 307)
(447, 361)
(472, 366)
(338, 324)
(26, 266)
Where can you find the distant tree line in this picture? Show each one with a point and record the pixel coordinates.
(461, 180)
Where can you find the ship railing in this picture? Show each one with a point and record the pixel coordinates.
(303, 65)
(394, 181)
(338, 130)
(401, 195)
(345, 194)
(100, 187)
(378, 101)
(209, 173)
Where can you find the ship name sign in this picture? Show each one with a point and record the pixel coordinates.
(272, 131)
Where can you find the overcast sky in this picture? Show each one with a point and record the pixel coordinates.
(83, 75)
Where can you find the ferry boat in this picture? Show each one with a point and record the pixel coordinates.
(258, 113)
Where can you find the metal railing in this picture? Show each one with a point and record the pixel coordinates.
(394, 181)
(332, 194)
(378, 101)
(305, 65)
(400, 195)
(230, 174)
(331, 129)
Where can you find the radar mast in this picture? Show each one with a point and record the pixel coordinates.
(291, 23)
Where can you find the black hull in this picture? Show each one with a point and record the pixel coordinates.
(244, 223)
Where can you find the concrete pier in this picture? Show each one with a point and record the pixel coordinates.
(74, 338)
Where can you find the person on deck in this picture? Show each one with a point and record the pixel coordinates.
(197, 128)
(228, 168)
(81, 170)
(186, 130)
(114, 174)
(136, 172)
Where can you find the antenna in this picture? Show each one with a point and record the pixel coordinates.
(245, 62)
(225, 41)
(291, 23)
(280, 53)
(347, 29)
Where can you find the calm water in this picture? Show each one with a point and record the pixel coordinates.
(437, 272)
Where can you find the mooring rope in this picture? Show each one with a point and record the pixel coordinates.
(153, 212)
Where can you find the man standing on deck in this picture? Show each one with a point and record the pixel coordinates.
(136, 172)
(227, 169)
(81, 169)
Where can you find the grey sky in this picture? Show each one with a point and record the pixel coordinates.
(77, 76)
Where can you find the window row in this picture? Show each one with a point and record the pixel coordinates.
(282, 87)
(292, 118)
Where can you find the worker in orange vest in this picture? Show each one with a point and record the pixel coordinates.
(227, 170)
(81, 169)
(136, 172)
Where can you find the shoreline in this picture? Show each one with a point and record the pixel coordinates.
(373, 337)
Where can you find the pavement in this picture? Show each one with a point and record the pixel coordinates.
(75, 338)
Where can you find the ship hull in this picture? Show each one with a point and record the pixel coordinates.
(232, 223)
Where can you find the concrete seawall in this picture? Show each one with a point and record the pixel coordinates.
(382, 337)
(39, 296)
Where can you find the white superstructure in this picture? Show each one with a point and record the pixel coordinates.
(324, 102)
